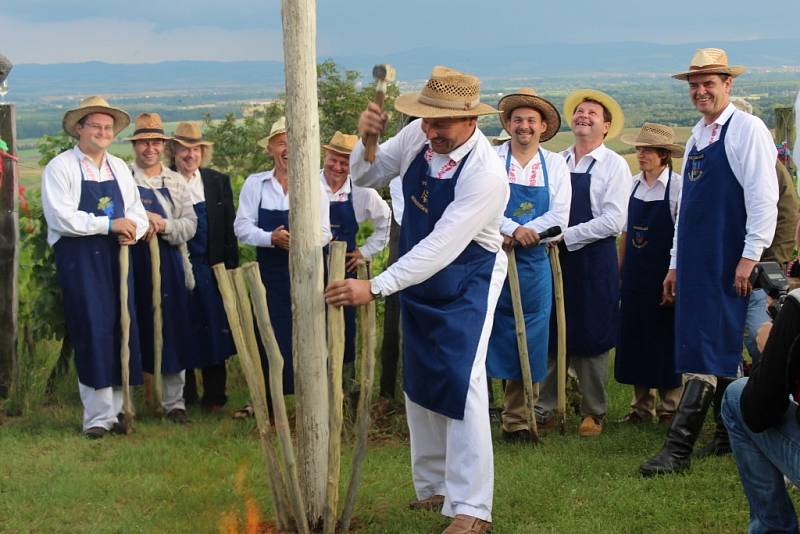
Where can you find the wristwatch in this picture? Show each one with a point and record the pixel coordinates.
(373, 289)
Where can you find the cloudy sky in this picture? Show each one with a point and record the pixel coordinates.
(55, 31)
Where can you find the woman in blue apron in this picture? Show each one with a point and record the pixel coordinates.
(645, 355)
(344, 227)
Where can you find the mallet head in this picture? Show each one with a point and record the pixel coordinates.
(383, 72)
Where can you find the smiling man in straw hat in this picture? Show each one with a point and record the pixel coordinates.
(173, 222)
(601, 181)
(92, 207)
(540, 198)
(213, 242)
(263, 221)
(727, 217)
(645, 350)
(450, 272)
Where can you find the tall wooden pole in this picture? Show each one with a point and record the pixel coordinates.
(305, 253)
(9, 250)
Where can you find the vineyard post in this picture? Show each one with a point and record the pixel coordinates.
(9, 250)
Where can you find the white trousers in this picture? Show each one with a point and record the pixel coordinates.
(173, 391)
(100, 406)
(454, 457)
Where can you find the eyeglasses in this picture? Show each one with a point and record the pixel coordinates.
(99, 127)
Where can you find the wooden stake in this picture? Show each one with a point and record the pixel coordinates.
(366, 356)
(522, 342)
(305, 253)
(561, 328)
(9, 251)
(255, 383)
(336, 270)
(158, 323)
(125, 327)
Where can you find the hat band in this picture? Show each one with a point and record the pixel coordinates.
(446, 104)
(148, 130)
(188, 139)
(708, 66)
(338, 148)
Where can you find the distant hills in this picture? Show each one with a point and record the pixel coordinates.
(534, 61)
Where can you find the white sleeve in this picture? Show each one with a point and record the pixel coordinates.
(60, 203)
(134, 209)
(245, 225)
(478, 202)
(373, 208)
(560, 198)
(325, 215)
(182, 226)
(613, 206)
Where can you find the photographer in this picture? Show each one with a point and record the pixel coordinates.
(763, 424)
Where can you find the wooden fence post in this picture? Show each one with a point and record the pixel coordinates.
(9, 250)
(785, 131)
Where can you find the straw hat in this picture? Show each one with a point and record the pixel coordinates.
(342, 143)
(148, 126)
(448, 93)
(653, 135)
(710, 61)
(189, 135)
(5, 67)
(94, 104)
(278, 127)
(617, 117)
(501, 138)
(527, 98)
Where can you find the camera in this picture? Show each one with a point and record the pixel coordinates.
(769, 276)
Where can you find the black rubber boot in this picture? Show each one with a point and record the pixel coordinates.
(674, 456)
(720, 445)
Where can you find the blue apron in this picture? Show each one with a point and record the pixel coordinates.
(709, 315)
(536, 287)
(591, 282)
(88, 272)
(273, 262)
(443, 316)
(344, 227)
(176, 329)
(645, 353)
(211, 336)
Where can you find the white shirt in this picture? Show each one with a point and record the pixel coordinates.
(475, 214)
(396, 191)
(559, 183)
(368, 206)
(61, 195)
(609, 190)
(196, 190)
(263, 190)
(181, 221)
(751, 154)
(652, 193)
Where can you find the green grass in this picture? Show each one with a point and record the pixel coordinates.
(167, 478)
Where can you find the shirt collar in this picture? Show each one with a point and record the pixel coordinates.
(505, 148)
(345, 189)
(663, 177)
(598, 153)
(82, 156)
(720, 121)
(459, 153)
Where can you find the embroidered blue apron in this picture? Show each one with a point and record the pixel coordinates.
(443, 316)
(211, 336)
(536, 287)
(709, 315)
(88, 272)
(591, 282)
(273, 262)
(176, 330)
(645, 353)
(344, 227)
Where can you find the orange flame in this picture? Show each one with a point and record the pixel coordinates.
(229, 523)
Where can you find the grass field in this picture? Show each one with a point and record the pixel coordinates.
(200, 478)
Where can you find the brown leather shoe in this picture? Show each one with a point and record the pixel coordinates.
(665, 418)
(636, 418)
(590, 427)
(433, 503)
(466, 524)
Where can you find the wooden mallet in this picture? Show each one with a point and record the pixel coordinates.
(384, 74)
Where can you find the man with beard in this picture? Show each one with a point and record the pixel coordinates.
(727, 217)
(213, 242)
(540, 198)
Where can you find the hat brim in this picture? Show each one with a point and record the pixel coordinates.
(548, 111)
(409, 105)
(73, 116)
(617, 116)
(264, 141)
(191, 144)
(732, 71)
(675, 149)
(144, 136)
(338, 149)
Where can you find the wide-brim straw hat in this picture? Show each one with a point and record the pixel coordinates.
(189, 135)
(501, 138)
(527, 98)
(653, 135)
(448, 93)
(94, 104)
(617, 116)
(278, 127)
(148, 126)
(710, 61)
(342, 143)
